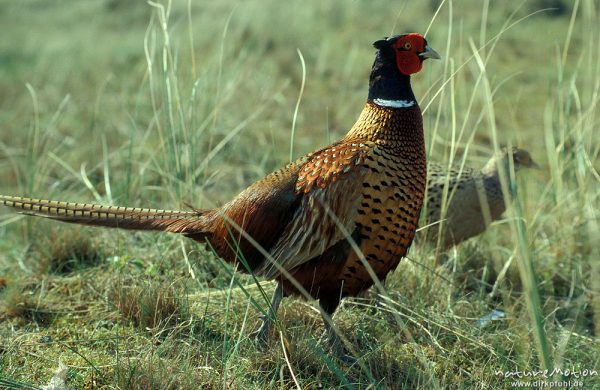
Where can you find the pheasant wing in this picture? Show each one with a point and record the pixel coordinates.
(327, 210)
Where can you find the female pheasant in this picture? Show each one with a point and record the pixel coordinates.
(324, 225)
(474, 197)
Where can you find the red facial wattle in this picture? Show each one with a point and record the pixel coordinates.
(407, 50)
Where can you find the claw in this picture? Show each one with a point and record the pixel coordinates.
(261, 335)
(335, 345)
(347, 359)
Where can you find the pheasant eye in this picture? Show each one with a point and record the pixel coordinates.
(407, 45)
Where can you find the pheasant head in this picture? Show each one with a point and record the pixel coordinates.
(397, 58)
(520, 159)
(408, 51)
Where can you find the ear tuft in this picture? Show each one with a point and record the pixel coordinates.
(380, 44)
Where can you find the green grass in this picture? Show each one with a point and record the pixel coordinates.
(162, 104)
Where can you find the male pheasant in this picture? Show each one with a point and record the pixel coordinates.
(321, 224)
(474, 197)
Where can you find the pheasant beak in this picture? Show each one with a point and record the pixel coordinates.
(534, 165)
(430, 53)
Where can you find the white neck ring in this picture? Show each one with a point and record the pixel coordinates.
(394, 103)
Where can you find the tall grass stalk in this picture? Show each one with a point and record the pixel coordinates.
(525, 264)
(297, 107)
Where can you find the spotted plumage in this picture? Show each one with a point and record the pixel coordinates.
(310, 224)
(461, 203)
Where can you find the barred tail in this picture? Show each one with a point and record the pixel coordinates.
(110, 216)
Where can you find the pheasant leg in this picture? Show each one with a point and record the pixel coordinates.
(333, 339)
(261, 335)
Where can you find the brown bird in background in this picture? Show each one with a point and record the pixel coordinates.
(474, 197)
(324, 225)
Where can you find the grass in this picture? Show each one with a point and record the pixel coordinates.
(166, 103)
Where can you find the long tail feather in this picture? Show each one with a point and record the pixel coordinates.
(109, 216)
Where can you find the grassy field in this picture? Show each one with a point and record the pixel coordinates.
(167, 103)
